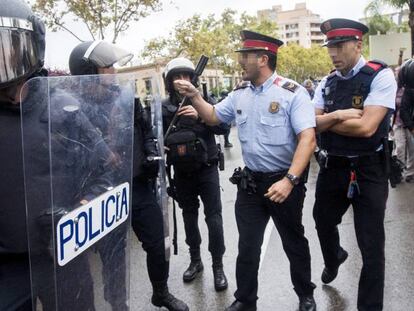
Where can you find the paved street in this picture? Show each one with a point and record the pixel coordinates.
(275, 289)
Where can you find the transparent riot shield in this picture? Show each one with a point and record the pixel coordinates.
(77, 145)
(153, 102)
(161, 184)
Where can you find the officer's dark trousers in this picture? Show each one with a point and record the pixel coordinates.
(147, 223)
(112, 252)
(369, 208)
(203, 183)
(253, 212)
(15, 291)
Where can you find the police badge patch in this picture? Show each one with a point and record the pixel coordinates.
(357, 102)
(182, 150)
(274, 107)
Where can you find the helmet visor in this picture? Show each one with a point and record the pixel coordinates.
(17, 54)
(103, 54)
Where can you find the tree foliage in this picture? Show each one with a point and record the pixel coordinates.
(374, 11)
(299, 63)
(219, 37)
(102, 17)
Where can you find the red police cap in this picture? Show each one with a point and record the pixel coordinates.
(340, 30)
(253, 41)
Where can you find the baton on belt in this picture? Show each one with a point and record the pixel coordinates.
(186, 101)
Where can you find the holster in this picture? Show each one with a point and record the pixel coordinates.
(244, 180)
(220, 157)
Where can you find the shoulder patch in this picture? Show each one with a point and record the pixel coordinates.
(278, 80)
(241, 85)
(290, 86)
(373, 66)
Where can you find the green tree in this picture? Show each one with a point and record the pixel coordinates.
(299, 63)
(217, 38)
(100, 17)
(374, 7)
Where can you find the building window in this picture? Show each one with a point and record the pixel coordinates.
(148, 86)
(210, 83)
(316, 33)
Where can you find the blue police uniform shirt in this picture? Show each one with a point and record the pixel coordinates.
(268, 118)
(383, 88)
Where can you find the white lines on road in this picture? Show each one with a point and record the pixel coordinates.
(266, 240)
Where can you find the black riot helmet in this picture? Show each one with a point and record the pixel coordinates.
(22, 42)
(87, 57)
(406, 74)
(176, 66)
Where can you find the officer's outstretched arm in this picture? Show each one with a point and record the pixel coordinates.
(204, 109)
(366, 126)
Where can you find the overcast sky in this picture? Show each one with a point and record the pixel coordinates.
(60, 44)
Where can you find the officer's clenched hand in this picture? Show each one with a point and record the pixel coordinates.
(185, 88)
(188, 111)
(279, 191)
(346, 114)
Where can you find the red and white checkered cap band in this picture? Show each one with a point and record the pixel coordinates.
(344, 32)
(261, 45)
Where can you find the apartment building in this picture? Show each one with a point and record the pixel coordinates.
(300, 25)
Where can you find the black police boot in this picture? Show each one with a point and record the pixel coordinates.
(195, 267)
(220, 280)
(161, 297)
(307, 303)
(241, 306)
(329, 274)
(228, 144)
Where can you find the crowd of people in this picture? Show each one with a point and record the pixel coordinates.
(277, 120)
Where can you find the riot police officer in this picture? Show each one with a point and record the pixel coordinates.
(193, 153)
(147, 221)
(353, 106)
(22, 37)
(275, 122)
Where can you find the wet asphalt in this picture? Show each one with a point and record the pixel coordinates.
(275, 288)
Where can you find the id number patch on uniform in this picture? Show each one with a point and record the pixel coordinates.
(86, 225)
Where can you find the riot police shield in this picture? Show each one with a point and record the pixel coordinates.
(153, 102)
(77, 146)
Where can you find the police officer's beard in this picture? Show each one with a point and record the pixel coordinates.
(253, 76)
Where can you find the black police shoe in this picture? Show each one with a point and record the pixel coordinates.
(240, 306)
(228, 145)
(307, 303)
(193, 269)
(165, 299)
(409, 179)
(220, 280)
(329, 274)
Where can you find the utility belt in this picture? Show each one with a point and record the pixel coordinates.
(326, 160)
(247, 180)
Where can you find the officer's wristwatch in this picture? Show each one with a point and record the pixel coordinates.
(294, 180)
